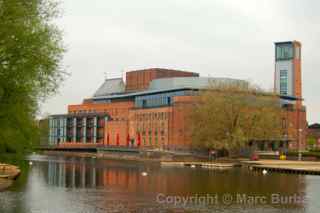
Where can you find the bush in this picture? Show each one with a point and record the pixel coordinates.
(314, 150)
(315, 154)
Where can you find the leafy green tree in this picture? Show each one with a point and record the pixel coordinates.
(311, 141)
(31, 50)
(229, 116)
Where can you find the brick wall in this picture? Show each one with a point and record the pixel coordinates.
(116, 128)
(140, 79)
(295, 119)
(152, 125)
(180, 137)
(297, 72)
(117, 110)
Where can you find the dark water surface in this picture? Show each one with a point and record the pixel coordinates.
(60, 184)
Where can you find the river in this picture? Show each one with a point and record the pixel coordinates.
(69, 184)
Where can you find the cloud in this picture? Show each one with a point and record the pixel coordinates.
(213, 37)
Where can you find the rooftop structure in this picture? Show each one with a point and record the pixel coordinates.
(138, 80)
(110, 87)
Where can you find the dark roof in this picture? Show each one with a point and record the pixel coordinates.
(156, 91)
(291, 98)
(145, 92)
(288, 42)
(314, 126)
(283, 42)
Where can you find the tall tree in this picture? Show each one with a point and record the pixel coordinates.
(30, 53)
(230, 115)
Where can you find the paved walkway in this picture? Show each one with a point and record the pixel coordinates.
(285, 164)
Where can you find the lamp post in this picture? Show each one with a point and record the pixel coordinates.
(299, 145)
(285, 144)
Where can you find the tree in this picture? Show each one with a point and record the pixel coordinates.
(229, 116)
(312, 142)
(30, 53)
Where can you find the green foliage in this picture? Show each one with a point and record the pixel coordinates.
(314, 150)
(311, 141)
(315, 154)
(229, 116)
(30, 55)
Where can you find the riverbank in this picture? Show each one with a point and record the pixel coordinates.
(142, 156)
(182, 160)
(207, 165)
(285, 166)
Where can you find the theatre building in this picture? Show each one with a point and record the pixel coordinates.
(150, 109)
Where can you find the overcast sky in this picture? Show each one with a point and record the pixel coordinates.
(217, 38)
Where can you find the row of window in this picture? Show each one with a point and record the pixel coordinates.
(82, 111)
(152, 116)
(284, 52)
(111, 111)
(156, 132)
(144, 126)
(287, 52)
(156, 100)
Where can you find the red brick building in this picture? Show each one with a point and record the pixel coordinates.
(143, 112)
(314, 136)
(150, 109)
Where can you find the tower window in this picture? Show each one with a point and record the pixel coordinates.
(284, 52)
(283, 82)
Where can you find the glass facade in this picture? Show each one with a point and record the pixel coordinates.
(76, 129)
(57, 130)
(283, 82)
(157, 100)
(284, 52)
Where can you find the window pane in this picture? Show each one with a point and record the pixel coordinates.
(283, 82)
(284, 52)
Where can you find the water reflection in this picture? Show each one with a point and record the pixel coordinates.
(70, 184)
(91, 173)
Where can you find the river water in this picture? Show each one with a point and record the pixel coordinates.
(72, 184)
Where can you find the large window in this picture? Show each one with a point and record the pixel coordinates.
(283, 82)
(156, 100)
(284, 52)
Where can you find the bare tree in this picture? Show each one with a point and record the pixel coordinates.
(230, 115)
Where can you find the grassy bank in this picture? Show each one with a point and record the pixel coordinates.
(315, 154)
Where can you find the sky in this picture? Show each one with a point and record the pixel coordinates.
(216, 38)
